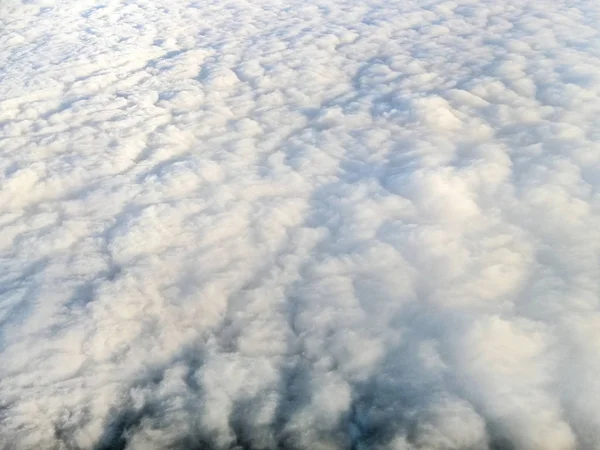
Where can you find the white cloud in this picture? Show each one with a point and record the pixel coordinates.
(327, 225)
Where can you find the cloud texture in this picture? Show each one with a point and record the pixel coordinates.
(319, 225)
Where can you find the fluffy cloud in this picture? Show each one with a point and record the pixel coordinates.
(326, 225)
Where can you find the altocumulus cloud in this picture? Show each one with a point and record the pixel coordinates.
(319, 225)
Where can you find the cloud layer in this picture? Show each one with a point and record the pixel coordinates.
(323, 225)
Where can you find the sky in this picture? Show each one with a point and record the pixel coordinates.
(285, 224)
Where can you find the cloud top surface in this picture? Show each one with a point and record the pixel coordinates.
(290, 225)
